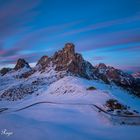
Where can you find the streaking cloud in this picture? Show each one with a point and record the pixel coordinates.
(107, 32)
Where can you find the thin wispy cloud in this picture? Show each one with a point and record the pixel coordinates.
(31, 28)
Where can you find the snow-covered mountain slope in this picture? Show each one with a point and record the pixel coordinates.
(14, 88)
(70, 89)
(65, 109)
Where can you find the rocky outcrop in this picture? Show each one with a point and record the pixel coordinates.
(20, 91)
(109, 74)
(23, 68)
(27, 73)
(3, 71)
(67, 60)
(21, 63)
(43, 62)
(114, 107)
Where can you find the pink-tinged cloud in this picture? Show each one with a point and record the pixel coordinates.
(102, 25)
(13, 17)
(43, 34)
(130, 68)
(108, 40)
(29, 40)
(12, 8)
(2, 52)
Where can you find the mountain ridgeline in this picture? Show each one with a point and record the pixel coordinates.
(72, 63)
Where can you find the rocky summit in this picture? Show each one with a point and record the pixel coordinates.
(21, 63)
(43, 62)
(68, 60)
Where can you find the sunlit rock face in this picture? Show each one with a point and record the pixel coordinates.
(67, 59)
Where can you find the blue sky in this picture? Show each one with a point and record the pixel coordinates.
(106, 31)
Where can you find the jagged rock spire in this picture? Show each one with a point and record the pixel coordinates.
(67, 60)
(21, 63)
(69, 48)
(43, 62)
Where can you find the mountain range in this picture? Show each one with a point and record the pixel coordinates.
(66, 97)
(65, 62)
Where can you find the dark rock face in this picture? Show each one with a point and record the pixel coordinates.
(21, 63)
(27, 74)
(3, 71)
(43, 62)
(136, 87)
(67, 60)
(18, 92)
(113, 106)
(63, 58)
(109, 74)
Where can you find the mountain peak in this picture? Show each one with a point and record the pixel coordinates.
(21, 63)
(101, 66)
(69, 61)
(43, 62)
(69, 47)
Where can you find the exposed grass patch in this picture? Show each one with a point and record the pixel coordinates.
(91, 88)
